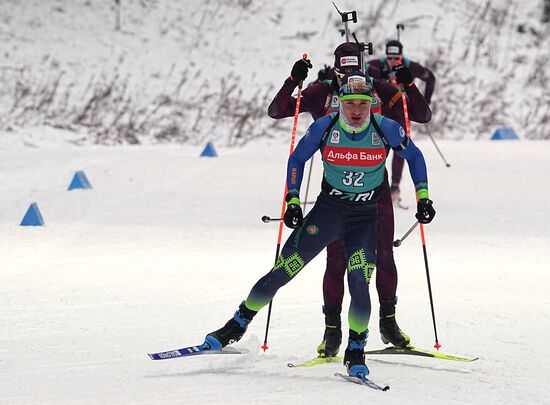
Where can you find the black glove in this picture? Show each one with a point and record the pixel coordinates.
(325, 74)
(403, 75)
(424, 211)
(293, 215)
(300, 69)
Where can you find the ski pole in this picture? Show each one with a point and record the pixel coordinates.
(436, 345)
(403, 99)
(283, 205)
(437, 147)
(267, 219)
(398, 242)
(407, 125)
(405, 107)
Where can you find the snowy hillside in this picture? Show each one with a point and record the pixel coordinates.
(197, 70)
(167, 244)
(153, 258)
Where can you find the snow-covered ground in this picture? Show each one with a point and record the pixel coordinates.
(167, 244)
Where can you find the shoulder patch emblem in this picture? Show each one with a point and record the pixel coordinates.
(334, 101)
(376, 139)
(401, 132)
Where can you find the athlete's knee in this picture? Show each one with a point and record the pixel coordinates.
(287, 267)
(336, 248)
(359, 268)
(336, 267)
(384, 258)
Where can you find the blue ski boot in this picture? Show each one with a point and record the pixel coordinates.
(354, 359)
(232, 331)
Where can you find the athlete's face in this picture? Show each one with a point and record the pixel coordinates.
(394, 60)
(356, 112)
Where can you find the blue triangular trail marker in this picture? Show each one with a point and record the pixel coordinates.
(79, 181)
(209, 150)
(504, 133)
(33, 217)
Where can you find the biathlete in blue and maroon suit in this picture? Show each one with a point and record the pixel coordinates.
(383, 68)
(320, 98)
(354, 144)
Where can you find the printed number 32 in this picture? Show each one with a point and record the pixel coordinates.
(353, 179)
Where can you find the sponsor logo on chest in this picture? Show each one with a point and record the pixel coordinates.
(354, 156)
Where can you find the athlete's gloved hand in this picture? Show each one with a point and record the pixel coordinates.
(403, 75)
(293, 215)
(424, 211)
(300, 69)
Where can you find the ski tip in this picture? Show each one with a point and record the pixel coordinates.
(363, 380)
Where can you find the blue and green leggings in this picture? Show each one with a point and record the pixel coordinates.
(328, 220)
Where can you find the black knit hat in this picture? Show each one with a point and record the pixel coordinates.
(347, 55)
(394, 47)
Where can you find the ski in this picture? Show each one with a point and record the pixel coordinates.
(363, 381)
(193, 351)
(316, 361)
(413, 351)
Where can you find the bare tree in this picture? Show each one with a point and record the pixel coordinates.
(117, 14)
